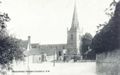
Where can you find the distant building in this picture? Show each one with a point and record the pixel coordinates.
(71, 48)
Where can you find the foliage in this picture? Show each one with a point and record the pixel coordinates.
(110, 10)
(86, 42)
(10, 48)
(108, 38)
(110, 13)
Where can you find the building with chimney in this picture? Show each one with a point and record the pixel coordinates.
(72, 47)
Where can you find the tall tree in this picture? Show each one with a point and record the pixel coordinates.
(108, 38)
(10, 48)
(86, 42)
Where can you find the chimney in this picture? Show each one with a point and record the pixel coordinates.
(29, 43)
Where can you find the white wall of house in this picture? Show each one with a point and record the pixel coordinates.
(36, 58)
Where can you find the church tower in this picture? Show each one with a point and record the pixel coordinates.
(73, 35)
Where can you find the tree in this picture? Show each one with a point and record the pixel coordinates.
(86, 42)
(10, 48)
(108, 39)
(110, 10)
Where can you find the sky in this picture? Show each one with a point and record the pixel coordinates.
(46, 21)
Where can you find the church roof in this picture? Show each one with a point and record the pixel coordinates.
(33, 51)
(49, 49)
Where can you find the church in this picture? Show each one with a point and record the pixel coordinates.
(72, 47)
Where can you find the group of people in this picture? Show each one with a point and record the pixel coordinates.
(67, 58)
(62, 58)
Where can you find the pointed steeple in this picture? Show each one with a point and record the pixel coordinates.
(75, 22)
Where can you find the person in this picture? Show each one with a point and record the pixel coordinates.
(43, 57)
(75, 58)
(64, 58)
(60, 58)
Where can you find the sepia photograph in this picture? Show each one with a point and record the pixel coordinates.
(59, 37)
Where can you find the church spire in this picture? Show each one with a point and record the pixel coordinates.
(75, 23)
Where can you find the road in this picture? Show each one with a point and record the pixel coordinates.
(82, 68)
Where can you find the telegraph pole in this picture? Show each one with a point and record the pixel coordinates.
(54, 57)
(28, 49)
(28, 73)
